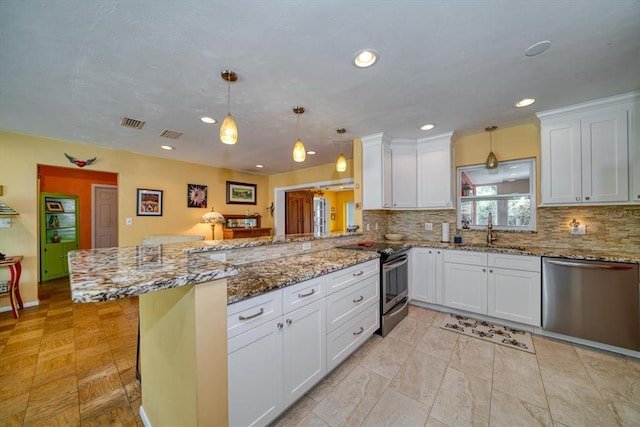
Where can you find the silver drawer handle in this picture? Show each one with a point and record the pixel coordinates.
(260, 313)
(359, 332)
(358, 274)
(359, 299)
(308, 294)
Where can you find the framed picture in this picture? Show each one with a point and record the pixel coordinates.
(196, 196)
(149, 255)
(54, 207)
(240, 193)
(149, 202)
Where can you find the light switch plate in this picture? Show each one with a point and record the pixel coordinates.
(5, 222)
(128, 221)
(306, 246)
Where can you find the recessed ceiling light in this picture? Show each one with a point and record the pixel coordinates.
(208, 120)
(524, 102)
(427, 126)
(311, 152)
(259, 166)
(537, 48)
(167, 147)
(365, 58)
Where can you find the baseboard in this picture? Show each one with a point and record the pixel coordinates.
(26, 305)
(144, 418)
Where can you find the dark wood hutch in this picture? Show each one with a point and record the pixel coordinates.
(241, 226)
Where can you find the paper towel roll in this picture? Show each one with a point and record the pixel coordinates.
(445, 232)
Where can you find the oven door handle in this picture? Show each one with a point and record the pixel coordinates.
(402, 260)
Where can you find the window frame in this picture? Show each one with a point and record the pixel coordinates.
(532, 227)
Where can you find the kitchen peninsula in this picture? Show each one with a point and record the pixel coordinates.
(184, 291)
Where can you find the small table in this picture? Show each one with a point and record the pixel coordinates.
(14, 266)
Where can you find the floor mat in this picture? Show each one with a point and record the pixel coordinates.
(488, 331)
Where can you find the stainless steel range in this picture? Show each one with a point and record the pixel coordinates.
(394, 281)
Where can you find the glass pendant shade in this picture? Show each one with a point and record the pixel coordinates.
(299, 153)
(229, 130)
(341, 163)
(492, 161)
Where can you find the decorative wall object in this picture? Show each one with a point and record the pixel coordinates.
(149, 202)
(80, 163)
(196, 196)
(54, 207)
(240, 193)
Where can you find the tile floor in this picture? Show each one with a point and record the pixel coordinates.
(422, 375)
(73, 364)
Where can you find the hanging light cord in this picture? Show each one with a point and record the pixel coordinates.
(229, 97)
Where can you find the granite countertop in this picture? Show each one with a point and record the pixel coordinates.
(112, 273)
(260, 277)
(579, 254)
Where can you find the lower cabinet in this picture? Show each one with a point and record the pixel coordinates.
(282, 343)
(504, 286)
(425, 277)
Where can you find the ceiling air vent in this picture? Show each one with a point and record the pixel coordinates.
(131, 123)
(171, 134)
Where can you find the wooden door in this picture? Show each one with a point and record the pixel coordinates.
(105, 231)
(299, 212)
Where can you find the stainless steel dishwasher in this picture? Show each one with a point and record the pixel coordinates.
(593, 300)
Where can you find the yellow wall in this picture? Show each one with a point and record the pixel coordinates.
(518, 142)
(322, 173)
(20, 155)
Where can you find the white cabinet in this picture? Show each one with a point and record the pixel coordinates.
(435, 168)
(403, 175)
(505, 286)
(585, 152)
(407, 174)
(426, 273)
(514, 288)
(282, 343)
(376, 172)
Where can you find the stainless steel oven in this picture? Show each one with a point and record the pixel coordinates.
(394, 290)
(394, 281)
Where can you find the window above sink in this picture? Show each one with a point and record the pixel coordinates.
(507, 192)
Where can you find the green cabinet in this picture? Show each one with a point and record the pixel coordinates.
(59, 233)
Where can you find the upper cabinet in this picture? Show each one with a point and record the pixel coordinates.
(589, 153)
(407, 174)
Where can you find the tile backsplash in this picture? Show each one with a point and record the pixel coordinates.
(610, 228)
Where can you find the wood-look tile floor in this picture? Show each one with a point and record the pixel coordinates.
(69, 364)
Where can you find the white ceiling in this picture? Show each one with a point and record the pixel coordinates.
(71, 69)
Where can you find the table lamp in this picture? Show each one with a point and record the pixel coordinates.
(212, 218)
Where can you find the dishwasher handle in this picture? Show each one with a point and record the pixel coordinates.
(589, 265)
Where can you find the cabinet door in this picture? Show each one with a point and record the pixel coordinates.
(435, 188)
(436, 274)
(403, 176)
(305, 350)
(418, 271)
(255, 375)
(465, 287)
(605, 160)
(561, 161)
(515, 295)
(376, 173)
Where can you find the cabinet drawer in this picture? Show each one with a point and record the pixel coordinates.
(351, 275)
(466, 257)
(515, 262)
(253, 312)
(346, 303)
(348, 337)
(303, 293)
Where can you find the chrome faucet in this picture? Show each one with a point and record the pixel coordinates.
(491, 237)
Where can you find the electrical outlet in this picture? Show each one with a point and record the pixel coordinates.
(219, 257)
(368, 227)
(306, 246)
(376, 226)
(579, 230)
(428, 226)
(128, 221)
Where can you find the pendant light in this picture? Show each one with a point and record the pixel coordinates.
(341, 163)
(229, 130)
(492, 160)
(299, 152)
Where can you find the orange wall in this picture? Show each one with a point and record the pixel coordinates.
(76, 182)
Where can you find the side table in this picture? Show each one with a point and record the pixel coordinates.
(15, 268)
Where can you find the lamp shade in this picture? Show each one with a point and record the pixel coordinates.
(299, 153)
(341, 163)
(212, 217)
(229, 130)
